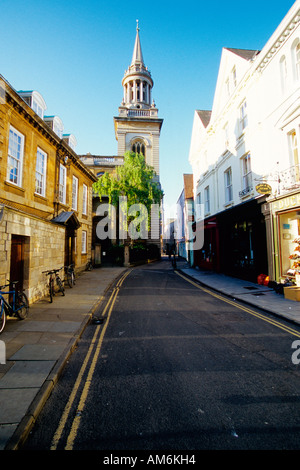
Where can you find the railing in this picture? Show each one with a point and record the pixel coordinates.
(246, 191)
(108, 160)
(139, 112)
(289, 179)
(102, 161)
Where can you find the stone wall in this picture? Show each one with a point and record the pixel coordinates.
(43, 250)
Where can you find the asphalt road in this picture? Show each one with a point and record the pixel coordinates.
(172, 367)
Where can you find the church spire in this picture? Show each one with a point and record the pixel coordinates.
(137, 82)
(137, 57)
(137, 127)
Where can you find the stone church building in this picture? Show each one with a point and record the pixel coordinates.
(137, 129)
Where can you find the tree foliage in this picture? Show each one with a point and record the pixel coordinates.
(134, 179)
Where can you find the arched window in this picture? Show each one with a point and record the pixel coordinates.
(283, 73)
(297, 51)
(296, 58)
(138, 147)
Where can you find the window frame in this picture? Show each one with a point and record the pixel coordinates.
(297, 60)
(139, 144)
(62, 187)
(234, 77)
(294, 148)
(17, 179)
(84, 242)
(84, 199)
(199, 206)
(43, 174)
(58, 129)
(228, 185)
(246, 172)
(207, 200)
(37, 108)
(243, 115)
(283, 73)
(75, 194)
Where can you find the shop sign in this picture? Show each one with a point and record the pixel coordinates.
(263, 188)
(288, 202)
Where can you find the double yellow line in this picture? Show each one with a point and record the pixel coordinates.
(98, 342)
(242, 307)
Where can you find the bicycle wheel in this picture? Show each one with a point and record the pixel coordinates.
(89, 266)
(70, 279)
(22, 306)
(60, 285)
(2, 316)
(51, 290)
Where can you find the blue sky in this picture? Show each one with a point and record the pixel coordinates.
(75, 54)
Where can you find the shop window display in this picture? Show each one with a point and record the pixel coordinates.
(295, 257)
(290, 243)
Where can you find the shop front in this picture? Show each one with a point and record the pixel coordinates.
(243, 249)
(283, 215)
(207, 257)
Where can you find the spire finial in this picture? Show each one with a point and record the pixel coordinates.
(137, 52)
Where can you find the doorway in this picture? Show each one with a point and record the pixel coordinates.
(17, 260)
(70, 246)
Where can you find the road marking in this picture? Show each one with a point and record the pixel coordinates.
(241, 307)
(76, 421)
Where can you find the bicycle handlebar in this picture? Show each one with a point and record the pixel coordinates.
(8, 285)
(53, 271)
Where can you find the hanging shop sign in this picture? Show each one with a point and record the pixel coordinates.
(263, 188)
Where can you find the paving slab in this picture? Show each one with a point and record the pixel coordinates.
(44, 352)
(26, 374)
(6, 432)
(14, 403)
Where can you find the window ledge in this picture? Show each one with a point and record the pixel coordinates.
(40, 196)
(63, 205)
(229, 204)
(15, 186)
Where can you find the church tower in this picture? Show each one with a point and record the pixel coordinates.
(137, 128)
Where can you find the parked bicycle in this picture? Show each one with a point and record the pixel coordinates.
(89, 265)
(54, 276)
(70, 275)
(16, 305)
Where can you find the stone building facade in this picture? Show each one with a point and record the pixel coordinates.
(45, 194)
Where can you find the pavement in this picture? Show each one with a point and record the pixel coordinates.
(37, 348)
(253, 294)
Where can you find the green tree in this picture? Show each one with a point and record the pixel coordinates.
(135, 180)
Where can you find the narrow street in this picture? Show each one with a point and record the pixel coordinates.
(169, 366)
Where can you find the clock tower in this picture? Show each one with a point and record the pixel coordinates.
(137, 127)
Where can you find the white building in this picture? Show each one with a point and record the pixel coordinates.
(251, 136)
(185, 217)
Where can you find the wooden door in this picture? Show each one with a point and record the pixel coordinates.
(17, 260)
